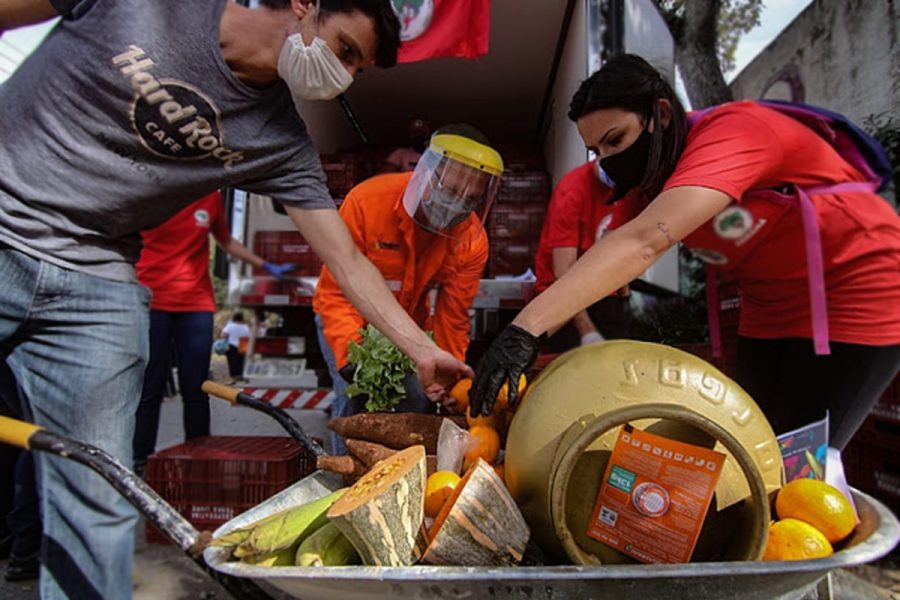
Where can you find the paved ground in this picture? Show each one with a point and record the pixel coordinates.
(163, 572)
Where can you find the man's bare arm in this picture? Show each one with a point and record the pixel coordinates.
(20, 13)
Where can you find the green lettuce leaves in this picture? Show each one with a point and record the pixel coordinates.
(380, 370)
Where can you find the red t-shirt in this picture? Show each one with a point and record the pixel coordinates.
(174, 263)
(578, 215)
(742, 147)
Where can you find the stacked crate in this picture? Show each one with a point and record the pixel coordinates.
(286, 247)
(212, 479)
(515, 222)
(870, 460)
(343, 171)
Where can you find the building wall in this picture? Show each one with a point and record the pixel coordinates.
(839, 54)
(563, 147)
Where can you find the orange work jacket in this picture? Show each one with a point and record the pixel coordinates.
(381, 229)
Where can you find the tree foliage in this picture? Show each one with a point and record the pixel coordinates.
(706, 33)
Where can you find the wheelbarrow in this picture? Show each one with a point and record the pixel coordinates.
(876, 535)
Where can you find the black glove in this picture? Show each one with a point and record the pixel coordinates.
(510, 355)
(347, 372)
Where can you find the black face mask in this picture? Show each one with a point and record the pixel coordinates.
(627, 168)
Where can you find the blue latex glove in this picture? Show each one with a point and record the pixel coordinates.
(279, 271)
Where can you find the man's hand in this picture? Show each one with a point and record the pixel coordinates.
(510, 355)
(438, 370)
(279, 270)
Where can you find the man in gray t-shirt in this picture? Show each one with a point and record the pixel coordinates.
(129, 111)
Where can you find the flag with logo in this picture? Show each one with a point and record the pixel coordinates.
(435, 28)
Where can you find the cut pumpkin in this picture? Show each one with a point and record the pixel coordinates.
(382, 514)
(479, 525)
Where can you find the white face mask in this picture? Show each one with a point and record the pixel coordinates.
(312, 72)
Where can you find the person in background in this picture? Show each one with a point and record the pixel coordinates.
(174, 266)
(236, 333)
(423, 232)
(125, 114)
(404, 159)
(584, 207)
(723, 186)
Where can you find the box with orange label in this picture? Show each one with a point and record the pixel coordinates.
(654, 496)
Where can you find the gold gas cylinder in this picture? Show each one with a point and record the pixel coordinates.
(565, 427)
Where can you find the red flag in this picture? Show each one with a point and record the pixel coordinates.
(433, 28)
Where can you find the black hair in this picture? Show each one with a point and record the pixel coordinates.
(238, 317)
(464, 130)
(387, 25)
(629, 82)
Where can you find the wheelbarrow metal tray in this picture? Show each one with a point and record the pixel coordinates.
(876, 535)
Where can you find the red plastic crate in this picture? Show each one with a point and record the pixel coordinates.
(343, 171)
(874, 470)
(516, 221)
(888, 406)
(521, 157)
(286, 247)
(512, 258)
(212, 479)
(525, 186)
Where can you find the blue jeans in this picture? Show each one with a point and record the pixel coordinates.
(77, 346)
(191, 335)
(340, 407)
(415, 401)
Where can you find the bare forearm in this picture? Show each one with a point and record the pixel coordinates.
(360, 281)
(241, 252)
(563, 259)
(607, 266)
(583, 323)
(622, 255)
(365, 288)
(20, 13)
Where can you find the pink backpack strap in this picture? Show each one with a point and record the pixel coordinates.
(815, 265)
(712, 312)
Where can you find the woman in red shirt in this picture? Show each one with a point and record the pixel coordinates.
(174, 266)
(581, 211)
(700, 180)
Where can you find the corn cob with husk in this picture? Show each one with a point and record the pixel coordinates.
(326, 547)
(287, 528)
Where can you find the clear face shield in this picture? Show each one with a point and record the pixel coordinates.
(454, 177)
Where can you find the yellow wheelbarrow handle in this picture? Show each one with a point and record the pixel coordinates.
(15, 432)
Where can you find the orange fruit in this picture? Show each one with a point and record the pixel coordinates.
(791, 539)
(460, 393)
(484, 443)
(492, 420)
(818, 503)
(503, 394)
(438, 488)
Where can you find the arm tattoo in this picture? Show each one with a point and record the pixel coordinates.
(665, 231)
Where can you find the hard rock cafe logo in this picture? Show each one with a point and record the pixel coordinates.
(415, 17)
(172, 118)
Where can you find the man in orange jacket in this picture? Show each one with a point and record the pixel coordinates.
(424, 233)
